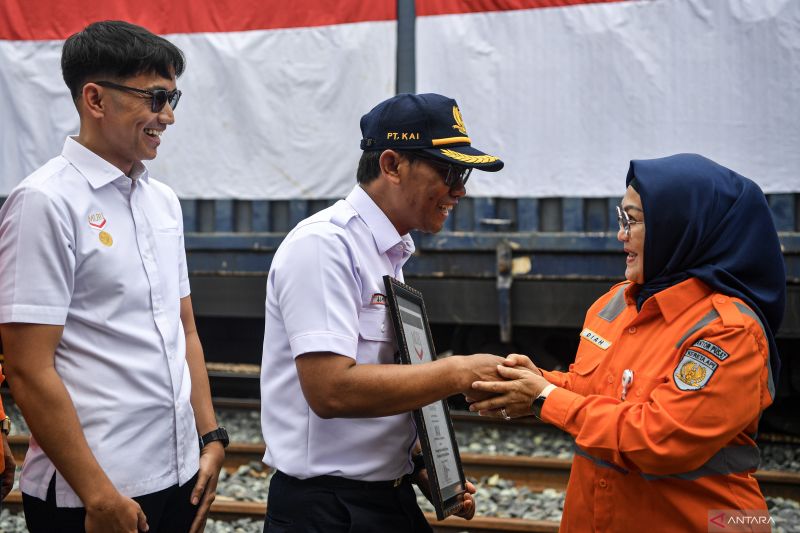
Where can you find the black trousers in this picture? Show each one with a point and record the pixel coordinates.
(329, 504)
(167, 511)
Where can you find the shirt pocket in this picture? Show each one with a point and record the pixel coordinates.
(168, 230)
(375, 337)
(586, 362)
(373, 325)
(643, 385)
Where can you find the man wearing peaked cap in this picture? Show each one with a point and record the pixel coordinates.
(336, 411)
(430, 123)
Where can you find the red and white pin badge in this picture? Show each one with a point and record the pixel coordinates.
(97, 220)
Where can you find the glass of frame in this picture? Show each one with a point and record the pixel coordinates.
(439, 448)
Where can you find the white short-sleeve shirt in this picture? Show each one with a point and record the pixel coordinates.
(325, 292)
(84, 246)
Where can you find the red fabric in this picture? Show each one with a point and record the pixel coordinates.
(659, 429)
(449, 7)
(57, 19)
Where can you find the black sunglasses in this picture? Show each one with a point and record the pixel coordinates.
(158, 97)
(455, 174)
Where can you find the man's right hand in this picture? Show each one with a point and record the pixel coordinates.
(117, 514)
(521, 361)
(479, 367)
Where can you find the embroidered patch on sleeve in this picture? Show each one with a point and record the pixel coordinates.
(711, 348)
(694, 370)
(594, 338)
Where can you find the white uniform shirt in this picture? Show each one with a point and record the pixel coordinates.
(84, 246)
(324, 293)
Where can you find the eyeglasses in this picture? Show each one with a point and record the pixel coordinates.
(158, 97)
(625, 222)
(453, 175)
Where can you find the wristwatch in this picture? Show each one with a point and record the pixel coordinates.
(5, 426)
(536, 406)
(218, 434)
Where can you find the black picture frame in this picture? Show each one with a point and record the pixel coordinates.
(434, 427)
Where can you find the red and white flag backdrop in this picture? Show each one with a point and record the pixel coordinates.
(565, 91)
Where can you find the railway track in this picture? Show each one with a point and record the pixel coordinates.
(224, 510)
(535, 473)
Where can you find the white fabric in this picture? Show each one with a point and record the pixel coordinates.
(320, 297)
(547, 390)
(268, 114)
(568, 96)
(122, 356)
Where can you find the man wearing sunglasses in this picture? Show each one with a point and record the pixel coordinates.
(336, 413)
(102, 354)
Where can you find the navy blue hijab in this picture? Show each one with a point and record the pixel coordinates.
(705, 221)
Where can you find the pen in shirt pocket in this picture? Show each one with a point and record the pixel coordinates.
(627, 381)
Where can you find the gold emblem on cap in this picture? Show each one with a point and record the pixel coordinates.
(471, 159)
(105, 238)
(459, 125)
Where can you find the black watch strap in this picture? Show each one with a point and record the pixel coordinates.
(218, 434)
(536, 406)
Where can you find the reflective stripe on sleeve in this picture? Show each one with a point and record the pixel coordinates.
(615, 306)
(600, 462)
(703, 322)
(749, 312)
(713, 315)
(728, 460)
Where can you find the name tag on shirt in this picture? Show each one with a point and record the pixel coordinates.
(596, 339)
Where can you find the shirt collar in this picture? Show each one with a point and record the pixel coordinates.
(673, 301)
(97, 171)
(383, 231)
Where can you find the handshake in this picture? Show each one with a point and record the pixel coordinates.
(503, 388)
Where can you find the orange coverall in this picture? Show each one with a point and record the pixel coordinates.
(682, 442)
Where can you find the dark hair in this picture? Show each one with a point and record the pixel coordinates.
(116, 49)
(369, 167)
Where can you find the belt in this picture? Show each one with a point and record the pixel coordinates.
(338, 482)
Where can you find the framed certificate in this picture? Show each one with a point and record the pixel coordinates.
(439, 448)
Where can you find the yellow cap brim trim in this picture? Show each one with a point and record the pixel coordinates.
(469, 159)
(451, 140)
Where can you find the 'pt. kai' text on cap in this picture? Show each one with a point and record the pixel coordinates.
(430, 123)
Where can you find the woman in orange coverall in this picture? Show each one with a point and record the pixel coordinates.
(674, 366)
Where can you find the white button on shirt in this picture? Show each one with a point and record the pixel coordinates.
(323, 295)
(86, 247)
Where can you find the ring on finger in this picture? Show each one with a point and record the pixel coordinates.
(503, 412)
